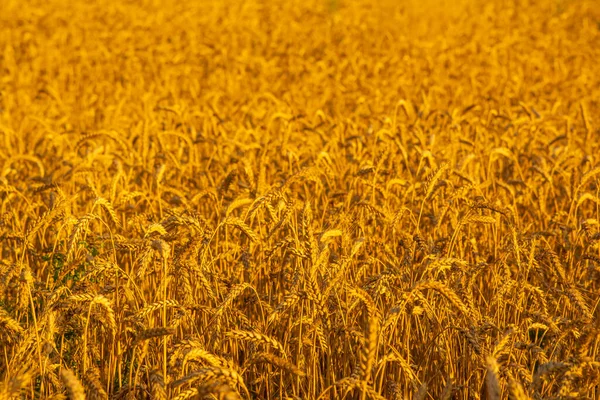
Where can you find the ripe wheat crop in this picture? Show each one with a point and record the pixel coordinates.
(320, 199)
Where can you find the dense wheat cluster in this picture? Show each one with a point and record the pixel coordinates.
(299, 199)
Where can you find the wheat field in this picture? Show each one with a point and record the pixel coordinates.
(332, 199)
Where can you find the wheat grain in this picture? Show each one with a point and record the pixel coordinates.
(257, 338)
(73, 385)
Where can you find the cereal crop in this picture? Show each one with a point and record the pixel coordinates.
(317, 199)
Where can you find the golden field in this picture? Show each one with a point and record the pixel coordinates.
(326, 199)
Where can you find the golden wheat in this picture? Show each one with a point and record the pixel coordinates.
(313, 199)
